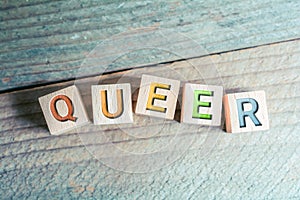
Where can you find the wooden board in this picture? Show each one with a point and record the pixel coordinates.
(256, 165)
(46, 41)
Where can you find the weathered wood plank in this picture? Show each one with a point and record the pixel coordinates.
(17, 4)
(260, 165)
(47, 42)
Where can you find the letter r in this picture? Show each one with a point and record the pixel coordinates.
(242, 114)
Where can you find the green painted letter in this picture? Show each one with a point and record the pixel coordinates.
(197, 103)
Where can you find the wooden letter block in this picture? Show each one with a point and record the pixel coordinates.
(245, 112)
(63, 110)
(112, 104)
(157, 97)
(202, 104)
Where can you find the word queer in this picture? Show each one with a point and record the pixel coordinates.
(112, 104)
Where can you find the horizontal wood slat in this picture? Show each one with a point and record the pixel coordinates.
(46, 41)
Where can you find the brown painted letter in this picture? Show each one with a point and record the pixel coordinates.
(55, 113)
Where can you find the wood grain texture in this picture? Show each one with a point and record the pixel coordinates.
(258, 165)
(46, 41)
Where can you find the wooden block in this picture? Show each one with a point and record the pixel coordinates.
(157, 97)
(112, 104)
(202, 104)
(245, 112)
(63, 110)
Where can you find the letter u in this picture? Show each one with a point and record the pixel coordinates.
(120, 106)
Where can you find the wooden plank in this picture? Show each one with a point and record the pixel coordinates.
(46, 41)
(258, 165)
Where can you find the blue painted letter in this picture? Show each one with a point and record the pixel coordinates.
(243, 114)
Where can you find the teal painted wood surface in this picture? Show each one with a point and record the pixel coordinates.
(46, 41)
(258, 165)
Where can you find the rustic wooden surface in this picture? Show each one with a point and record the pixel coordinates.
(258, 165)
(45, 42)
